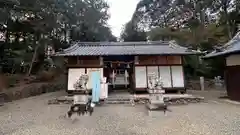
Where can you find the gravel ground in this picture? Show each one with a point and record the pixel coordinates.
(32, 116)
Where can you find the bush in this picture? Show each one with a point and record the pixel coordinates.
(3, 82)
(45, 76)
(31, 90)
(10, 80)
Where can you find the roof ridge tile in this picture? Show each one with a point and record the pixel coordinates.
(125, 48)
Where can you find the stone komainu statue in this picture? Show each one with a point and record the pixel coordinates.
(155, 81)
(81, 103)
(81, 83)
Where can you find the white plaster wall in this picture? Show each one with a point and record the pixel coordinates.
(140, 77)
(165, 72)
(165, 76)
(177, 76)
(233, 60)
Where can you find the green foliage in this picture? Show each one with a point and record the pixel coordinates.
(32, 25)
(196, 24)
(205, 38)
(132, 33)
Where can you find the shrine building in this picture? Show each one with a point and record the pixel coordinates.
(230, 52)
(127, 64)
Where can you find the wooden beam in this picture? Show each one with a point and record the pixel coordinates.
(78, 60)
(84, 66)
(146, 75)
(171, 76)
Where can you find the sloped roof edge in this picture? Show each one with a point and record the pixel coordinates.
(232, 46)
(125, 48)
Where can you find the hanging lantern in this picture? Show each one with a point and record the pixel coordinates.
(118, 63)
(101, 60)
(136, 60)
(126, 74)
(105, 65)
(111, 64)
(128, 66)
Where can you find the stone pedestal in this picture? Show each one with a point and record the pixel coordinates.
(80, 99)
(156, 107)
(156, 100)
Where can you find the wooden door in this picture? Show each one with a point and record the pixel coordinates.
(232, 82)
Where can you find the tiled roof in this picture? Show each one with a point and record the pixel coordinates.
(124, 48)
(233, 46)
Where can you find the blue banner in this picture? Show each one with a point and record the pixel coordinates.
(96, 86)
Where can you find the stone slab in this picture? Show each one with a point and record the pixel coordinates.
(170, 96)
(156, 101)
(156, 91)
(232, 102)
(156, 106)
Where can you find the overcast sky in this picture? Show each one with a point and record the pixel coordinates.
(121, 12)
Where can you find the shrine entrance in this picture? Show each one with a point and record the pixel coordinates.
(119, 71)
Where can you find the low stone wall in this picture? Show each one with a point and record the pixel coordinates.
(29, 90)
(208, 85)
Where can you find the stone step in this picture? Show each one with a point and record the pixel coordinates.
(156, 106)
(117, 102)
(119, 80)
(118, 99)
(120, 83)
(114, 99)
(120, 75)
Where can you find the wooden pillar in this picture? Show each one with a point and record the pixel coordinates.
(126, 75)
(202, 83)
(78, 60)
(113, 78)
(136, 60)
(101, 60)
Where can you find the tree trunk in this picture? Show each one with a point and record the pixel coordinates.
(33, 59)
(38, 35)
(65, 32)
(227, 22)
